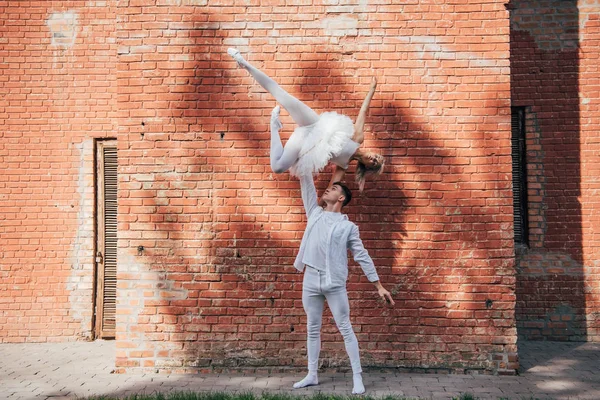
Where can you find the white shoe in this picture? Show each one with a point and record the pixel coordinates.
(310, 380)
(275, 122)
(235, 54)
(359, 387)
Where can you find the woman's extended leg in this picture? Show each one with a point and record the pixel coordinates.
(302, 114)
(359, 126)
(282, 158)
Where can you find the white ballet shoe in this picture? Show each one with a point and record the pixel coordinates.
(310, 380)
(275, 122)
(359, 387)
(235, 54)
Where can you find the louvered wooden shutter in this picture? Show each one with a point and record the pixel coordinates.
(519, 174)
(106, 260)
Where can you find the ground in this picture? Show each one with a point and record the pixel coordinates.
(550, 370)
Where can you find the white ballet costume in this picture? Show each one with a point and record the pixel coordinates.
(323, 141)
(345, 155)
(317, 140)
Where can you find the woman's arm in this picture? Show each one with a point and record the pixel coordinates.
(337, 175)
(359, 126)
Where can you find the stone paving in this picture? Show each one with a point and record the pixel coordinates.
(60, 371)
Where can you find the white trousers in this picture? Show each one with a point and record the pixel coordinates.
(314, 294)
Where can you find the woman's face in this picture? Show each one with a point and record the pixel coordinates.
(370, 160)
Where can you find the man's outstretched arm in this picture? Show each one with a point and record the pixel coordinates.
(361, 256)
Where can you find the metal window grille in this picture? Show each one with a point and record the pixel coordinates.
(519, 175)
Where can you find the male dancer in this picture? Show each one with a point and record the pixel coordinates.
(324, 252)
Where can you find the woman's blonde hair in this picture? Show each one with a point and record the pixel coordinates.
(362, 170)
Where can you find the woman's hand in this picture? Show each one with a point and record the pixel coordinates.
(338, 175)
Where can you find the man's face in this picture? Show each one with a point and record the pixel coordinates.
(333, 193)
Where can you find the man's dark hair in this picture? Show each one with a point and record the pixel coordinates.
(347, 192)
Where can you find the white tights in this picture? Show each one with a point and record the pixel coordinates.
(314, 293)
(282, 158)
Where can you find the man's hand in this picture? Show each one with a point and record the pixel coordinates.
(383, 293)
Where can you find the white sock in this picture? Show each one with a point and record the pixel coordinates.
(275, 123)
(310, 380)
(359, 388)
(235, 53)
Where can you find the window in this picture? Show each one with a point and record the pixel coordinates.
(519, 175)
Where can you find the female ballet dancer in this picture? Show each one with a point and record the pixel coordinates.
(318, 139)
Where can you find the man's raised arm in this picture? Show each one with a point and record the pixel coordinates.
(309, 193)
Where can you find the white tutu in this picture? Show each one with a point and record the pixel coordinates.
(321, 141)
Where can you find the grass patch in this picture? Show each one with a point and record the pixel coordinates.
(243, 396)
(469, 396)
(266, 396)
(465, 396)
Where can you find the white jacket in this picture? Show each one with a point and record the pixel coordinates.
(343, 235)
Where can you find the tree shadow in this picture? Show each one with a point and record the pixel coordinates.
(220, 231)
(203, 302)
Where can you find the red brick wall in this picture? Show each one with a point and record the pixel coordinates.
(214, 285)
(57, 93)
(557, 275)
(590, 170)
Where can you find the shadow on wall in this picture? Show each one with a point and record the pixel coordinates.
(429, 289)
(220, 289)
(418, 226)
(545, 80)
(217, 270)
(253, 309)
